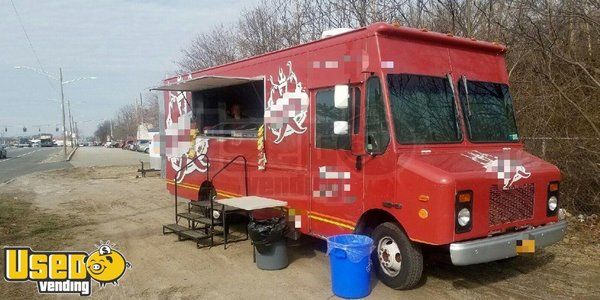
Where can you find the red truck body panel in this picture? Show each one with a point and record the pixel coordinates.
(417, 177)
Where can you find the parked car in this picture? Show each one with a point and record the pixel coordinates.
(143, 146)
(23, 142)
(2, 151)
(127, 144)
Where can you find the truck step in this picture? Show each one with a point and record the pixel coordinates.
(192, 234)
(173, 228)
(196, 217)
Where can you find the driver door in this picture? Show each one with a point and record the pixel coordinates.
(336, 202)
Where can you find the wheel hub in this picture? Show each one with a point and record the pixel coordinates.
(389, 256)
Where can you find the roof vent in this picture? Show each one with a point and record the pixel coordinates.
(335, 31)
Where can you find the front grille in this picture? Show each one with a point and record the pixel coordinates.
(511, 205)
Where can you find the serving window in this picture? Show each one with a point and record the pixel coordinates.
(235, 111)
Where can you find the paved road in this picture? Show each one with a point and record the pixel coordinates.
(22, 161)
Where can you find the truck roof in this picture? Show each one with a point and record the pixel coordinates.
(383, 29)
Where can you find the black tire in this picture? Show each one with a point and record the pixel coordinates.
(411, 259)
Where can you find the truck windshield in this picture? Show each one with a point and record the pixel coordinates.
(488, 111)
(423, 109)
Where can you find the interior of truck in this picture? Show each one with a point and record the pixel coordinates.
(230, 111)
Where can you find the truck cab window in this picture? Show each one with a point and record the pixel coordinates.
(327, 113)
(423, 109)
(377, 135)
(488, 111)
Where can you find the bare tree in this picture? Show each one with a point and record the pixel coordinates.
(150, 109)
(209, 49)
(553, 62)
(102, 131)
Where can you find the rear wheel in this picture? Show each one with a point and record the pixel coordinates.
(399, 261)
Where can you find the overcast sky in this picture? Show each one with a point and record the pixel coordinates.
(128, 45)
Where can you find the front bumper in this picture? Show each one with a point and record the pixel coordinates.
(504, 246)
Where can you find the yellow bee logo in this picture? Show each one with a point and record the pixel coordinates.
(106, 265)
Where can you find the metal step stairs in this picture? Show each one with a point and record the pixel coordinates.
(206, 222)
(202, 224)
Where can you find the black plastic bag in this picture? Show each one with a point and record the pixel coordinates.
(265, 231)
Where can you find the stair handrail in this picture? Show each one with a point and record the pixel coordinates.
(183, 168)
(245, 187)
(245, 170)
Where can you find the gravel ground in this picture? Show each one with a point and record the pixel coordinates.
(109, 203)
(101, 156)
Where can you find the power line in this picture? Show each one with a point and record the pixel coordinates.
(31, 44)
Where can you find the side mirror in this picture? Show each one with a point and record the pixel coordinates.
(340, 127)
(341, 96)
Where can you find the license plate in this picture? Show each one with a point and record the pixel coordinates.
(525, 246)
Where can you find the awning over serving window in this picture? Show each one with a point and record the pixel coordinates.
(204, 83)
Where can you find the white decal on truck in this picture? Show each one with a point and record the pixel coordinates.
(183, 144)
(287, 107)
(507, 170)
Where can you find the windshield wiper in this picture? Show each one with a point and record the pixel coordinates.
(464, 80)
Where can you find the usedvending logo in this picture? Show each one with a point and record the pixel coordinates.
(65, 272)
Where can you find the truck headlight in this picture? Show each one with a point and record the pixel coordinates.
(552, 203)
(463, 207)
(464, 217)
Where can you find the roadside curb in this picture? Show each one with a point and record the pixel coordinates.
(71, 154)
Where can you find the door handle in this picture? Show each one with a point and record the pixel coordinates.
(388, 204)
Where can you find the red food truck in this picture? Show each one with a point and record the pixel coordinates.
(404, 135)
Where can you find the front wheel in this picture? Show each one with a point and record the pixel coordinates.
(399, 261)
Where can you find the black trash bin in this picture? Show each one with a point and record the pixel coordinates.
(267, 230)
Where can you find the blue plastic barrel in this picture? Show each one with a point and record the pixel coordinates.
(350, 261)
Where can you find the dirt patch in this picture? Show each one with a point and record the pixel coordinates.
(74, 209)
(23, 224)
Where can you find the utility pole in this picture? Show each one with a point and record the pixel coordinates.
(111, 130)
(111, 134)
(141, 109)
(62, 105)
(70, 122)
(62, 98)
(76, 133)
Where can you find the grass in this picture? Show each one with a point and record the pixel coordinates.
(21, 224)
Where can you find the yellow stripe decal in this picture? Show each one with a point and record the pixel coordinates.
(310, 215)
(188, 185)
(231, 195)
(333, 218)
(179, 185)
(225, 195)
